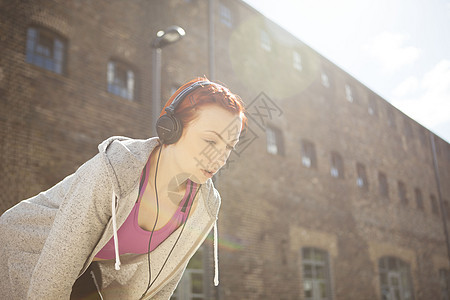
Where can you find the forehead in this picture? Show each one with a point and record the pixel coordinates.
(218, 119)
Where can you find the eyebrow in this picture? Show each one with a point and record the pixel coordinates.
(237, 139)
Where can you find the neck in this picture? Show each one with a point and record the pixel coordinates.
(169, 179)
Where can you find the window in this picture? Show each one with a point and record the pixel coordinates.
(225, 15)
(434, 204)
(437, 145)
(274, 140)
(121, 80)
(446, 208)
(402, 192)
(395, 279)
(419, 199)
(325, 80)
(444, 281)
(297, 61)
(191, 285)
(372, 109)
(423, 136)
(348, 93)
(384, 187)
(337, 165)
(46, 49)
(266, 44)
(361, 179)
(407, 129)
(308, 154)
(391, 117)
(316, 274)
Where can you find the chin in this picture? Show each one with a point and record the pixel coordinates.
(200, 179)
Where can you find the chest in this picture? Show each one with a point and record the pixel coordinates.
(159, 212)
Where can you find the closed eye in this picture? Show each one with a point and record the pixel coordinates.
(210, 142)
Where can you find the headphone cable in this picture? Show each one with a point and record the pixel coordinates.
(150, 282)
(179, 235)
(154, 226)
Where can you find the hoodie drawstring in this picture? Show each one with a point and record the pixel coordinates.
(96, 284)
(116, 241)
(216, 256)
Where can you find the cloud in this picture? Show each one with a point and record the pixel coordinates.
(389, 49)
(406, 87)
(427, 100)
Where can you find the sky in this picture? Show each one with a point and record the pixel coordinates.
(400, 49)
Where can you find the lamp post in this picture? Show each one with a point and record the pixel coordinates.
(170, 35)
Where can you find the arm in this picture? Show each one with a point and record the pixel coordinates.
(83, 213)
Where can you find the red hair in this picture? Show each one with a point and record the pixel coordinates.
(206, 95)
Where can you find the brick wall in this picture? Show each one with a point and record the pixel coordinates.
(272, 204)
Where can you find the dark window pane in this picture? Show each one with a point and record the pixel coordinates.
(306, 253)
(384, 188)
(322, 290)
(308, 271)
(320, 272)
(197, 283)
(419, 199)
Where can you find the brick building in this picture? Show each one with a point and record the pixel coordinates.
(345, 204)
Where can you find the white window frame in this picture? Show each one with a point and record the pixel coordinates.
(372, 108)
(226, 17)
(397, 279)
(308, 154)
(337, 165)
(126, 89)
(361, 174)
(349, 93)
(272, 146)
(314, 284)
(39, 54)
(297, 61)
(265, 40)
(325, 80)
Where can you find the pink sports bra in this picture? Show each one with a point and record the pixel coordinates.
(133, 239)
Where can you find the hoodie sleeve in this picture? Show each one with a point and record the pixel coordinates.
(83, 213)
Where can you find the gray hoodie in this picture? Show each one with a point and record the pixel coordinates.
(48, 241)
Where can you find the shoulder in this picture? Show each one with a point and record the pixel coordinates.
(125, 158)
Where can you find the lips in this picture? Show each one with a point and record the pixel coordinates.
(208, 173)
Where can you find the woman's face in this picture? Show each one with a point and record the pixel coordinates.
(207, 142)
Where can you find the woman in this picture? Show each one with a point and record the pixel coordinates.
(129, 219)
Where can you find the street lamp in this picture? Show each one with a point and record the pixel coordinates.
(170, 35)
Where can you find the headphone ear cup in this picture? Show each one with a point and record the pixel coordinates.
(169, 129)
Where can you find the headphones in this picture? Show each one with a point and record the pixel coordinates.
(168, 127)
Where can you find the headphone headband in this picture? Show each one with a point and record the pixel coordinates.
(171, 108)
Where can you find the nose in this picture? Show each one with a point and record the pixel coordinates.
(222, 159)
